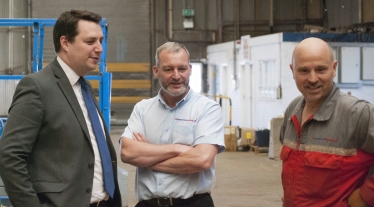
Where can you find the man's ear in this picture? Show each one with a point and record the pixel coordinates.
(64, 43)
(291, 67)
(334, 67)
(155, 71)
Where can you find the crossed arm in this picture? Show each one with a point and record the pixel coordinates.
(169, 158)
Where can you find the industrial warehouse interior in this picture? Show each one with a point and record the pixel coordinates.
(240, 53)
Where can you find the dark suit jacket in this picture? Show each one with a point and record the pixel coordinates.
(45, 150)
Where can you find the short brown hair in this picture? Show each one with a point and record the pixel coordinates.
(67, 24)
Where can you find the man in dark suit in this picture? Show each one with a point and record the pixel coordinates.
(49, 155)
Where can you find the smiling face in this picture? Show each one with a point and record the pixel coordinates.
(83, 53)
(173, 72)
(314, 69)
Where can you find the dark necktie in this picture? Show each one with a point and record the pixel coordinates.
(100, 138)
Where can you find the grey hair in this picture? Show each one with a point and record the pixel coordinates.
(170, 47)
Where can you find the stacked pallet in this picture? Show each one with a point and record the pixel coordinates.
(131, 82)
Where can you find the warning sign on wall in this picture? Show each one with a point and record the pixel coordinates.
(245, 46)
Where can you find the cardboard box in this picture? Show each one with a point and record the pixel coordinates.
(248, 136)
(230, 138)
(275, 146)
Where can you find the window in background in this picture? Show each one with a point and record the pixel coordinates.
(196, 77)
(269, 80)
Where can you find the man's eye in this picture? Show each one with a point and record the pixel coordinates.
(303, 71)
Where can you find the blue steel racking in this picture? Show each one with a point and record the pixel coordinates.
(104, 77)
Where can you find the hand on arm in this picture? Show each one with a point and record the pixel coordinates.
(137, 136)
(139, 153)
(200, 158)
(355, 199)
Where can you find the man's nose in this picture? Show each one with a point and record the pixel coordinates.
(176, 73)
(99, 47)
(313, 77)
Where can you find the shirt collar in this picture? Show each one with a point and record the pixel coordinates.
(70, 73)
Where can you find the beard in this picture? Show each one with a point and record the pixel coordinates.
(174, 92)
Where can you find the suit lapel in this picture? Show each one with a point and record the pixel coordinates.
(65, 86)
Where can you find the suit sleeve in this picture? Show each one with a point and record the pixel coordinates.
(19, 136)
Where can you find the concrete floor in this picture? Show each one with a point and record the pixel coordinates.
(244, 179)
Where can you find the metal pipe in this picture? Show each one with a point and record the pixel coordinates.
(153, 38)
(206, 20)
(29, 45)
(10, 38)
(359, 2)
(271, 16)
(236, 36)
(170, 22)
(219, 21)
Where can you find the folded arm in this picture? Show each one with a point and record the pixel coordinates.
(200, 158)
(142, 154)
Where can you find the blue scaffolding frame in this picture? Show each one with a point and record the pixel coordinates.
(104, 77)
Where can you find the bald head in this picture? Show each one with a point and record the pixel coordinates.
(313, 45)
(314, 68)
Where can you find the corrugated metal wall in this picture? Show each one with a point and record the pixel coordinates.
(342, 13)
(129, 25)
(138, 27)
(129, 18)
(289, 15)
(367, 11)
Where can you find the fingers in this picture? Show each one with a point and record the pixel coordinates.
(184, 148)
(139, 137)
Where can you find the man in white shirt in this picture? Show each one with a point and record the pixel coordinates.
(173, 138)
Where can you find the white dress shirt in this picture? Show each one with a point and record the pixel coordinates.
(98, 190)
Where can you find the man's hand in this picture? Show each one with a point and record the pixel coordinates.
(355, 199)
(199, 158)
(139, 137)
